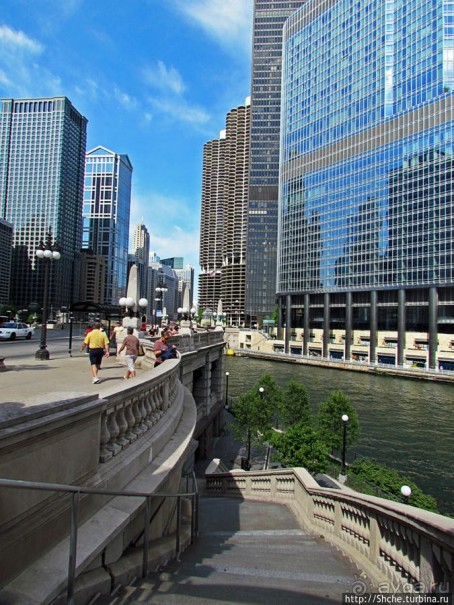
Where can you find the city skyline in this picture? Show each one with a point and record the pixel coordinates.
(154, 83)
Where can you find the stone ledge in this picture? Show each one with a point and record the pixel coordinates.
(45, 579)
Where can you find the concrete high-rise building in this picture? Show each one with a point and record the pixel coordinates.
(42, 156)
(224, 216)
(211, 224)
(185, 286)
(6, 248)
(366, 207)
(269, 19)
(234, 237)
(141, 252)
(106, 212)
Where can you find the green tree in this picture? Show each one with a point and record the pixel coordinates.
(366, 473)
(294, 405)
(300, 445)
(255, 411)
(330, 420)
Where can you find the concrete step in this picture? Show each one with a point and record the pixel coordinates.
(247, 552)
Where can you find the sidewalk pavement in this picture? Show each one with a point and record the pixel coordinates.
(30, 381)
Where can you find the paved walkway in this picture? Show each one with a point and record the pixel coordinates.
(29, 381)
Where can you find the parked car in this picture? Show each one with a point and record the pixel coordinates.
(12, 330)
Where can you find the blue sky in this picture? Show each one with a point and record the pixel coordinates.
(155, 78)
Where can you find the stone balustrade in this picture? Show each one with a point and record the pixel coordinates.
(401, 548)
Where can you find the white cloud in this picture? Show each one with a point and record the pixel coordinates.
(126, 100)
(180, 111)
(20, 74)
(14, 43)
(164, 78)
(228, 22)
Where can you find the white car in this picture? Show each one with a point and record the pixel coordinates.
(12, 330)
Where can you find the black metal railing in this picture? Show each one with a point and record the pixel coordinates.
(77, 491)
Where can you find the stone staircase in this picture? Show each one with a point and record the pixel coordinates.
(246, 552)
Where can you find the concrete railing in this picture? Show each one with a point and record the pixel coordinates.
(138, 437)
(398, 546)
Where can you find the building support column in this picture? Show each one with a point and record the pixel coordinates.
(348, 325)
(373, 327)
(306, 324)
(401, 327)
(288, 323)
(326, 321)
(433, 327)
(280, 322)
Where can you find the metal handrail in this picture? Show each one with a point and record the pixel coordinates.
(76, 492)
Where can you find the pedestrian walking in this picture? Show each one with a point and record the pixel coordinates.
(131, 344)
(116, 331)
(98, 347)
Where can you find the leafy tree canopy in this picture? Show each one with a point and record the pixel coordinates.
(302, 446)
(330, 420)
(294, 405)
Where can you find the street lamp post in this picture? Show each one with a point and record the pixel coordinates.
(47, 252)
(344, 441)
(226, 405)
(161, 289)
(130, 304)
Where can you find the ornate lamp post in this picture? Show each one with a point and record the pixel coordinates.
(47, 252)
(344, 441)
(130, 304)
(161, 289)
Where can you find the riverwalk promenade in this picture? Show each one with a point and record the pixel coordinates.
(28, 381)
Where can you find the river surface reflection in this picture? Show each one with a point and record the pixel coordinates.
(406, 424)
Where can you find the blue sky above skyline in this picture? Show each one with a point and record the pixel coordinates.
(155, 78)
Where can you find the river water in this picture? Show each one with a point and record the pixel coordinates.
(405, 424)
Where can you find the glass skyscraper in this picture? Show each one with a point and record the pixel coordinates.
(262, 217)
(106, 212)
(366, 212)
(42, 151)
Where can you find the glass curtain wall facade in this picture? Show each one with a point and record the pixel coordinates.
(269, 19)
(106, 212)
(42, 156)
(366, 211)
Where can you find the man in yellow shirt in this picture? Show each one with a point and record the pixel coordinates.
(98, 346)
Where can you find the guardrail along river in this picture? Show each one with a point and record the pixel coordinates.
(405, 424)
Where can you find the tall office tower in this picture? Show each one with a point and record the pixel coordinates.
(92, 277)
(185, 286)
(141, 252)
(107, 203)
(366, 235)
(233, 272)
(42, 152)
(269, 19)
(6, 248)
(211, 224)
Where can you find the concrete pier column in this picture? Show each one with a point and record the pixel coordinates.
(288, 325)
(326, 321)
(280, 321)
(306, 324)
(433, 327)
(401, 327)
(348, 325)
(373, 327)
